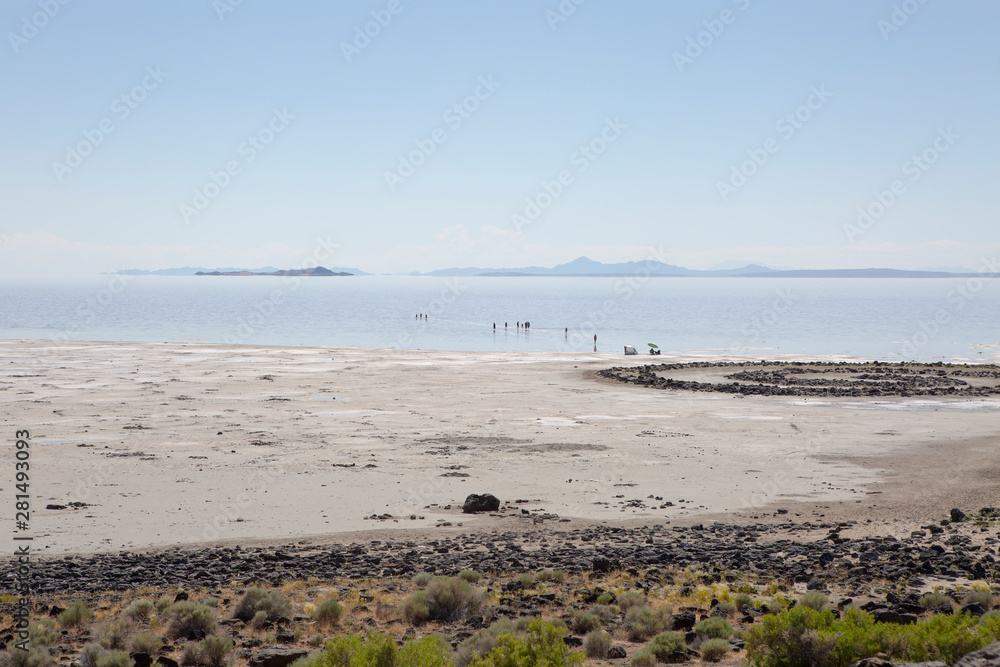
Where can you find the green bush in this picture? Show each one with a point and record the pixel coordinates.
(527, 580)
(76, 614)
(984, 598)
(380, 650)
(258, 620)
(145, 642)
(714, 649)
(581, 622)
(115, 659)
(36, 657)
(559, 575)
(936, 601)
(726, 608)
(814, 600)
(421, 579)
(139, 609)
(596, 644)
(544, 575)
(605, 612)
(630, 599)
(163, 603)
(483, 641)
(255, 599)
(644, 658)
(215, 649)
(444, 599)
(714, 628)
(89, 655)
(316, 640)
(191, 620)
(471, 576)
(542, 646)
(801, 637)
(191, 655)
(42, 633)
(742, 600)
(647, 622)
(328, 613)
(116, 635)
(605, 598)
(665, 644)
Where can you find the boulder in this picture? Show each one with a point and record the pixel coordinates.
(277, 657)
(957, 515)
(486, 502)
(683, 621)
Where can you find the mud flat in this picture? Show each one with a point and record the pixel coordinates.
(140, 445)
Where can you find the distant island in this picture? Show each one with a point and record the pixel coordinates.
(317, 271)
(583, 267)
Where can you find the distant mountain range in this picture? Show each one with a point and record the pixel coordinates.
(198, 270)
(585, 267)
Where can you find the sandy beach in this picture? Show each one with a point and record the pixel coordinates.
(185, 443)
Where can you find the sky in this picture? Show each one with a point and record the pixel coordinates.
(410, 135)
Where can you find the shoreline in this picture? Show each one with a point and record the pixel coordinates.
(193, 444)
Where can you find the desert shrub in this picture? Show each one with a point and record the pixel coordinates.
(380, 650)
(191, 655)
(42, 633)
(89, 655)
(814, 600)
(482, 642)
(163, 603)
(191, 620)
(714, 649)
(647, 622)
(596, 644)
(801, 637)
(328, 613)
(316, 640)
(644, 658)
(630, 599)
(742, 600)
(581, 622)
(421, 579)
(115, 659)
(665, 644)
(255, 599)
(984, 598)
(145, 642)
(935, 601)
(605, 612)
(605, 598)
(116, 634)
(76, 614)
(139, 609)
(215, 649)
(527, 580)
(36, 657)
(725, 608)
(541, 646)
(471, 576)
(714, 628)
(258, 620)
(444, 599)
(211, 601)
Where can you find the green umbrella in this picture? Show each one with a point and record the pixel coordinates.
(652, 344)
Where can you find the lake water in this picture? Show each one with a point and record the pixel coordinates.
(927, 319)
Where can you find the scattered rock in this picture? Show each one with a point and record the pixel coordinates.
(277, 657)
(475, 502)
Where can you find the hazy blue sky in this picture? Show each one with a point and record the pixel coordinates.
(116, 115)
